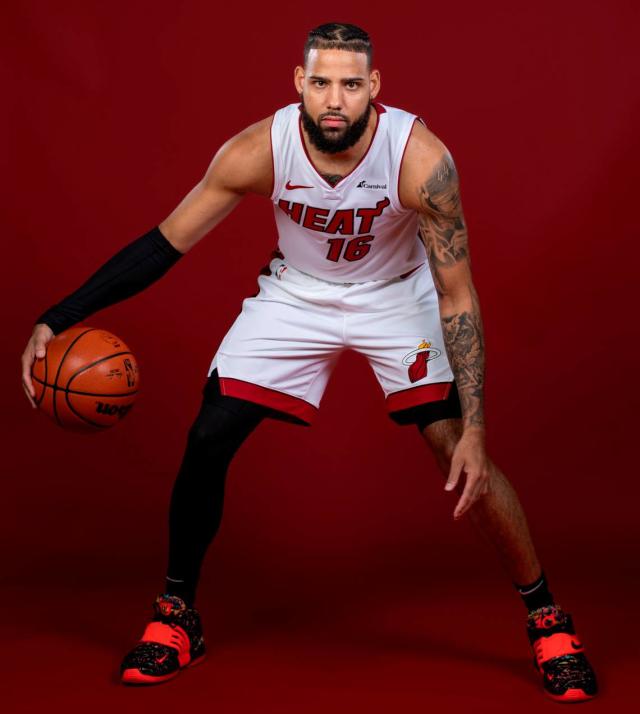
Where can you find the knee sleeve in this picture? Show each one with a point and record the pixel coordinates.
(223, 423)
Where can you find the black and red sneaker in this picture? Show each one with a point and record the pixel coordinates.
(170, 642)
(559, 656)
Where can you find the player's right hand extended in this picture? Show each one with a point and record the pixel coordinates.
(36, 349)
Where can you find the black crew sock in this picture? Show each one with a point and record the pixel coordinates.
(182, 588)
(535, 594)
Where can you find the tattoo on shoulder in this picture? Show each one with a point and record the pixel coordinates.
(441, 190)
(442, 225)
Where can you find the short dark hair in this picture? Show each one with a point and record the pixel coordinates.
(338, 36)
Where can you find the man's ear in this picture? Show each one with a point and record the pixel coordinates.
(374, 79)
(298, 78)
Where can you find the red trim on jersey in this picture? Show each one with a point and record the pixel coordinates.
(414, 396)
(404, 151)
(413, 270)
(268, 398)
(379, 110)
(273, 163)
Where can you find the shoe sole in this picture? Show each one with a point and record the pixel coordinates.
(136, 677)
(571, 696)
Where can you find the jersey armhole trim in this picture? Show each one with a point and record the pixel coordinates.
(404, 151)
(274, 183)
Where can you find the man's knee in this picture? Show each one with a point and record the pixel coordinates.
(216, 425)
(223, 419)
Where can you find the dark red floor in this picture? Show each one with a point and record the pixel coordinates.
(441, 644)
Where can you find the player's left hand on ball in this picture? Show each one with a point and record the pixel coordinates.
(469, 456)
(36, 349)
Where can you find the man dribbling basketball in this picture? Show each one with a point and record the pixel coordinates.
(372, 256)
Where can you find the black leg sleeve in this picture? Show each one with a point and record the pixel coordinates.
(195, 511)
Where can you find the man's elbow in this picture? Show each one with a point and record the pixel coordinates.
(454, 299)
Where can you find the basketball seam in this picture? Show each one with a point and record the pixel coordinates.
(80, 416)
(86, 394)
(68, 391)
(89, 394)
(93, 364)
(55, 383)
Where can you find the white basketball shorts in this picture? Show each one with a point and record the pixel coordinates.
(281, 349)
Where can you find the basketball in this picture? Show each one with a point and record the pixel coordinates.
(87, 381)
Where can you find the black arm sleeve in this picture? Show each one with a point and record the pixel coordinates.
(129, 271)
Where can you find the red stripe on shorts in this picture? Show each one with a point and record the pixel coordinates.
(268, 398)
(414, 396)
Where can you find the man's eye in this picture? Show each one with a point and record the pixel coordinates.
(352, 85)
(319, 83)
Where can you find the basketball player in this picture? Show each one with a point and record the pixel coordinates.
(372, 256)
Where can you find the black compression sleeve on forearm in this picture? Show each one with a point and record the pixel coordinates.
(129, 271)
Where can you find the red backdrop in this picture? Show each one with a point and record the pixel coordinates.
(113, 113)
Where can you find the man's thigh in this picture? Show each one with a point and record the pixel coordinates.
(282, 347)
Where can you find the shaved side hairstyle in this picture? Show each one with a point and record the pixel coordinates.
(338, 36)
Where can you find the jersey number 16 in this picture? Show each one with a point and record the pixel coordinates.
(355, 249)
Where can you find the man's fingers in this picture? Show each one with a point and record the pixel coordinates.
(28, 384)
(36, 349)
(462, 504)
(27, 361)
(454, 475)
(476, 487)
(26, 391)
(472, 491)
(40, 347)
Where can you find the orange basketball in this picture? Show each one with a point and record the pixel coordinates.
(87, 381)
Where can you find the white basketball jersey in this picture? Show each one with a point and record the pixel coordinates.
(357, 230)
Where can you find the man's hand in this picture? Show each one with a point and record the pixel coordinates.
(469, 456)
(36, 348)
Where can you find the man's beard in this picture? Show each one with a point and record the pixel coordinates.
(327, 140)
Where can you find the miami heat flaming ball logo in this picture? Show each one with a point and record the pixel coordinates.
(417, 359)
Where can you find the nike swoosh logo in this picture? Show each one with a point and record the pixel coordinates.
(576, 645)
(291, 187)
(160, 660)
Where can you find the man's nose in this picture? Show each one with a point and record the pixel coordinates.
(334, 99)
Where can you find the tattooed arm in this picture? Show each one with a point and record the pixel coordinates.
(434, 192)
(444, 233)
(429, 184)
